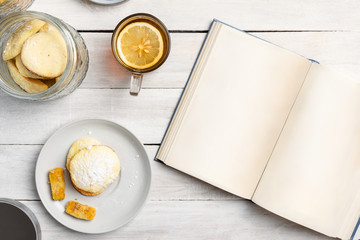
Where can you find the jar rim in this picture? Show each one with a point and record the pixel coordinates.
(9, 7)
(63, 28)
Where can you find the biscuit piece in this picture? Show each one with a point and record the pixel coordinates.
(28, 84)
(77, 146)
(55, 32)
(45, 27)
(23, 70)
(21, 34)
(44, 55)
(49, 82)
(93, 170)
(49, 28)
(57, 183)
(80, 211)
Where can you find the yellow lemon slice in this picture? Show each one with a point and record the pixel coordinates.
(140, 45)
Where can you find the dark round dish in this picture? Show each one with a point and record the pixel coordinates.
(17, 222)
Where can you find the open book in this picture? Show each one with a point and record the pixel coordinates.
(271, 126)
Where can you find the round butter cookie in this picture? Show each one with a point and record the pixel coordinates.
(93, 169)
(44, 55)
(21, 34)
(77, 146)
(23, 70)
(28, 84)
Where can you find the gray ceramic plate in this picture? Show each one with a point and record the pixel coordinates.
(107, 2)
(121, 201)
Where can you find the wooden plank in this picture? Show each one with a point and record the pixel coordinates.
(189, 220)
(197, 15)
(17, 169)
(335, 49)
(187, 215)
(146, 115)
(149, 113)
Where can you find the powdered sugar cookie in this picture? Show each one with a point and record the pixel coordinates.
(79, 145)
(93, 169)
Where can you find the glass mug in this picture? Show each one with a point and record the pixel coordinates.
(152, 43)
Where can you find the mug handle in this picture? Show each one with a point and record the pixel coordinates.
(135, 84)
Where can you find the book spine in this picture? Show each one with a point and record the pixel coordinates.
(356, 234)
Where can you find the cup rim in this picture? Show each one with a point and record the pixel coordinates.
(111, 2)
(115, 33)
(25, 209)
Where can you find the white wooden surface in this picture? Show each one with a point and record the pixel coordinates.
(179, 206)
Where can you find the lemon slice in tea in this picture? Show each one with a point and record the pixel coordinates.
(140, 45)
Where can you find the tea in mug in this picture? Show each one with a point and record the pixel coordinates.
(141, 43)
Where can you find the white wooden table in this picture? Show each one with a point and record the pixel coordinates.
(179, 206)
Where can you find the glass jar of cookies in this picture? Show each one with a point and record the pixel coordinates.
(42, 57)
(10, 6)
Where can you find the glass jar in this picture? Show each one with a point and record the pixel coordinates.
(10, 6)
(77, 57)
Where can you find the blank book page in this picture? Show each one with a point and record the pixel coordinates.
(237, 111)
(313, 175)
